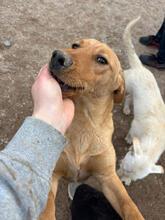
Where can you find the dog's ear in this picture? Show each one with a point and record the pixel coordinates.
(119, 93)
(136, 146)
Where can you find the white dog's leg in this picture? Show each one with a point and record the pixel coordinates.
(127, 104)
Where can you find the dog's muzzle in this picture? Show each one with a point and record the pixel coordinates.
(60, 61)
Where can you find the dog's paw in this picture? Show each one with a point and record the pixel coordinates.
(157, 169)
(128, 139)
(123, 178)
(126, 110)
(72, 189)
(126, 180)
(161, 169)
(130, 148)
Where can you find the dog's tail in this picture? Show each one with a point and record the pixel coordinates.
(130, 50)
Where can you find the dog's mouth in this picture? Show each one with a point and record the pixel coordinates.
(65, 87)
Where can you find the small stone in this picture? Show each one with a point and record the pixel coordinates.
(7, 43)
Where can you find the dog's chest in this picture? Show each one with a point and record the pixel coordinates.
(77, 166)
(84, 142)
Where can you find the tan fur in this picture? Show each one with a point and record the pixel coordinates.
(90, 151)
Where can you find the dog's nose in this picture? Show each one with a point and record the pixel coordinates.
(60, 60)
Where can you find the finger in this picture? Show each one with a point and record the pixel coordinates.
(68, 111)
(44, 71)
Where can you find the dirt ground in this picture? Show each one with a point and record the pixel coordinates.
(35, 28)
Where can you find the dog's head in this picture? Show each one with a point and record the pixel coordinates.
(137, 164)
(89, 66)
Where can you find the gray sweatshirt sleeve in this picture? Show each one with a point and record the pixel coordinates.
(26, 166)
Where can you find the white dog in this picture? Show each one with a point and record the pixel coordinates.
(147, 130)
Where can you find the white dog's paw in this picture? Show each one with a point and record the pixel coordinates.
(128, 139)
(130, 148)
(157, 169)
(126, 180)
(126, 110)
(72, 189)
(162, 170)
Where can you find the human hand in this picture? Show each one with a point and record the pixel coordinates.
(48, 103)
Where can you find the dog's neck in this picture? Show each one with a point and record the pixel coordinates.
(98, 110)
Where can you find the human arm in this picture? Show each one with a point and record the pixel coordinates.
(27, 163)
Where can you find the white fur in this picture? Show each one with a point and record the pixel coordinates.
(147, 130)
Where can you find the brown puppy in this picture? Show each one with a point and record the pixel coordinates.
(91, 75)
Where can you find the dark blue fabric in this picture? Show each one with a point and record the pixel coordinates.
(160, 37)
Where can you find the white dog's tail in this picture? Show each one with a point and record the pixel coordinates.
(130, 50)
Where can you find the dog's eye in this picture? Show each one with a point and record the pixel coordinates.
(101, 60)
(75, 46)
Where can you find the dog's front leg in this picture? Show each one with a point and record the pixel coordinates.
(49, 212)
(115, 192)
(103, 167)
